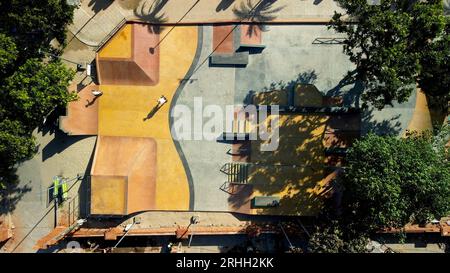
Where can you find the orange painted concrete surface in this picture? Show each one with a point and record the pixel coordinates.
(223, 39)
(127, 59)
(251, 34)
(421, 120)
(82, 114)
(126, 111)
(123, 176)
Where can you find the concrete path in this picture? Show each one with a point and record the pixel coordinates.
(32, 212)
(95, 19)
(213, 86)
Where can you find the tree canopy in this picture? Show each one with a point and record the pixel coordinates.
(30, 85)
(390, 182)
(396, 45)
(8, 52)
(332, 239)
(35, 89)
(33, 24)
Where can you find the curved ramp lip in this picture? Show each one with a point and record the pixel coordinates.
(173, 103)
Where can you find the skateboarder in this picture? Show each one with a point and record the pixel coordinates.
(97, 93)
(161, 101)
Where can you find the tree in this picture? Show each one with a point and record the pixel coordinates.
(393, 46)
(390, 182)
(16, 144)
(29, 88)
(332, 239)
(436, 67)
(326, 240)
(33, 24)
(35, 89)
(8, 53)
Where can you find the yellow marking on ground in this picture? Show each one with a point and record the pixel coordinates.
(307, 95)
(276, 97)
(300, 140)
(119, 46)
(294, 172)
(421, 120)
(108, 195)
(123, 108)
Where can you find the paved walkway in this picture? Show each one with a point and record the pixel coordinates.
(31, 211)
(95, 19)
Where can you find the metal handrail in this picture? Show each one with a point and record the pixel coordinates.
(111, 33)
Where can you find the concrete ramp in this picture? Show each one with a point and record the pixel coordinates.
(127, 59)
(123, 175)
(82, 114)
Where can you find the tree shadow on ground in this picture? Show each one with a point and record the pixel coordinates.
(99, 5)
(352, 97)
(12, 193)
(151, 13)
(390, 126)
(307, 77)
(295, 168)
(51, 122)
(128, 4)
(224, 5)
(257, 14)
(300, 168)
(59, 143)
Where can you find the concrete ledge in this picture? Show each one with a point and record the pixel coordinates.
(307, 110)
(239, 59)
(265, 201)
(252, 49)
(232, 137)
(243, 41)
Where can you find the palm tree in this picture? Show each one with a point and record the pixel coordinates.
(150, 13)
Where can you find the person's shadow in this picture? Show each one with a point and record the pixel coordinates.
(89, 103)
(153, 112)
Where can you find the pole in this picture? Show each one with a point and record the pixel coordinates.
(194, 220)
(126, 232)
(56, 212)
(287, 238)
(123, 236)
(55, 197)
(190, 240)
(303, 227)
